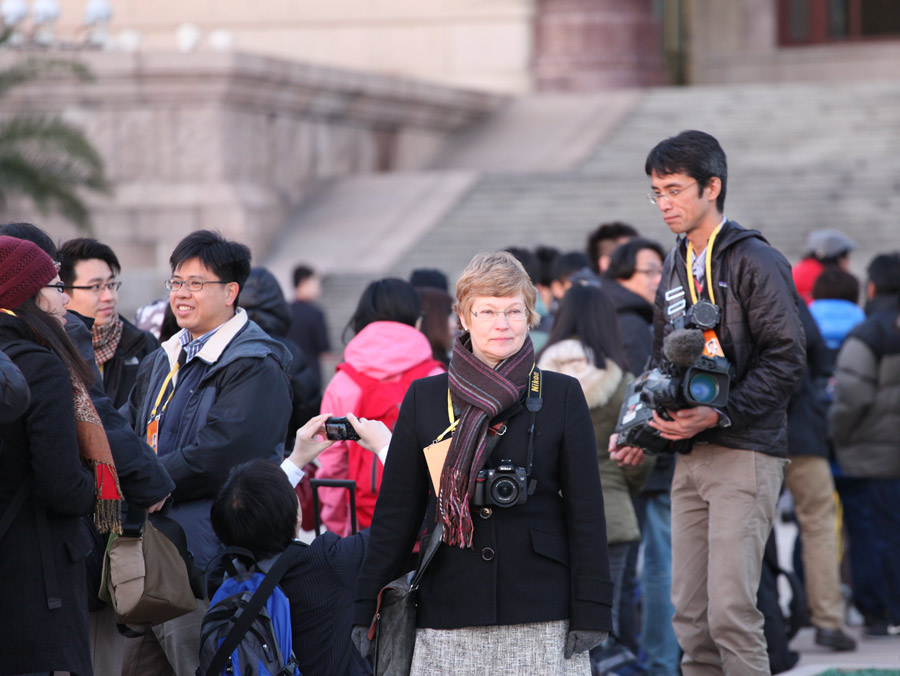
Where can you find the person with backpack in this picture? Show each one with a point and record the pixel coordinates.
(310, 608)
(385, 356)
(55, 467)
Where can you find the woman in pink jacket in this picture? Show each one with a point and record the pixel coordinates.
(385, 355)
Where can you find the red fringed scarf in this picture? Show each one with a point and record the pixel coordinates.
(482, 393)
(95, 453)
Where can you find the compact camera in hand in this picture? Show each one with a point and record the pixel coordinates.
(505, 486)
(340, 429)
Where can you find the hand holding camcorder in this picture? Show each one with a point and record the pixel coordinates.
(686, 377)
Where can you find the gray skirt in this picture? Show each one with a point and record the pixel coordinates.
(514, 649)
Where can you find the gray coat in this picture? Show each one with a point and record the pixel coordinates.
(865, 415)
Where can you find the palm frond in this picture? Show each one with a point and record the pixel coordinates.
(44, 136)
(34, 68)
(43, 188)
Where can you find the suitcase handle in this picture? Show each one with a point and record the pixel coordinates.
(349, 484)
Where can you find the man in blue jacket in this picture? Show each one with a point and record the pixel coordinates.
(214, 395)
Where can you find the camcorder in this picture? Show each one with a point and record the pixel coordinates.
(685, 378)
(504, 486)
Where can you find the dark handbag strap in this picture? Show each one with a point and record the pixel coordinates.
(12, 511)
(427, 555)
(51, 588)
(173, 530)
(248, 614)
(54, 600)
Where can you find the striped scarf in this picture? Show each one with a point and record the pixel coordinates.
(481, 392)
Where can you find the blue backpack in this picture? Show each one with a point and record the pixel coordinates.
(247, 629)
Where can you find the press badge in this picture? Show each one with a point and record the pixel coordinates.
(153, 432)
(435, 455)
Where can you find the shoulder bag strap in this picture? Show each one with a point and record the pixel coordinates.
(256, 603)
(51, 587)
(13, 508)
(432, 547)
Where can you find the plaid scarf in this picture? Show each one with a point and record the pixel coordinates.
(95, 453)
(482, 393)
(106, 339)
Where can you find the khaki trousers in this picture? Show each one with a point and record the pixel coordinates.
(723, 507)
(809, 480)
(169, 648)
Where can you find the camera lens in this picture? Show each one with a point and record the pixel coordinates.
(703, 388)
(504, 491)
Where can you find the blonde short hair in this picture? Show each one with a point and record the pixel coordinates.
(500, 275)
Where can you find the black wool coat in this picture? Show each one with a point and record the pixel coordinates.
(541, 561)
(120, 372)
(41, 446)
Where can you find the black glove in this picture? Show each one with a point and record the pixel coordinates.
(360, 638)
(581, 640)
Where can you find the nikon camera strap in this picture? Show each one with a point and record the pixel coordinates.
(533, 402)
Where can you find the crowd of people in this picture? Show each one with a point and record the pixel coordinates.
(485, 420)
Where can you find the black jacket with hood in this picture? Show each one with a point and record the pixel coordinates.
(760, 333)
(261, 297)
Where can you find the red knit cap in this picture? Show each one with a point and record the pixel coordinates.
(24, 270)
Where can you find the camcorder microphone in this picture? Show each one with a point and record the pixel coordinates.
(683, 347)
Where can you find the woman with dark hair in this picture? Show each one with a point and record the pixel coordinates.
(45, 487)
(585, 344)
(384, 356)
(438, 321)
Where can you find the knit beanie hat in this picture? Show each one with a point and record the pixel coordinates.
(24, 270)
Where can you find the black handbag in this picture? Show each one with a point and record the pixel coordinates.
(393, 629)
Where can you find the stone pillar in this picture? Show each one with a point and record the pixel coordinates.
(591, 45)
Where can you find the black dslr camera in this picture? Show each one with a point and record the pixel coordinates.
(505, 486)
(685, 378)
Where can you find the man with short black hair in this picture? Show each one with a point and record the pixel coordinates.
(632, 278)
(571, 268)
(308, 327)
(89, 269)
(883, 283)
(723, 492)
(214, 395)
(604, 240)
(863, 423)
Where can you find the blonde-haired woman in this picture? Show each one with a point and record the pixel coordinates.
(520, 583)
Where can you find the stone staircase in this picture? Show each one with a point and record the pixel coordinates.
(801, 156)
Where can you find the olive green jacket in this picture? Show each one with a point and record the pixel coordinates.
(604, 390)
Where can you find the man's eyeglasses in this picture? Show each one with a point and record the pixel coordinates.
(59, 286)
(650, 272)
(655, 197)
(98, 288)
(191, 284)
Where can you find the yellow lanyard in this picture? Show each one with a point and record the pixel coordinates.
(9, 312)
(163, 390)
(690, 268)
(453, 419)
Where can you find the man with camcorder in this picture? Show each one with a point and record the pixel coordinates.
(727, 355)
